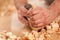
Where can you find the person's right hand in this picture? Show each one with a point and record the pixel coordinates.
(22, 15)
(21, 11)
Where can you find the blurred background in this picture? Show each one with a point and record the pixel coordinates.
(9, 17)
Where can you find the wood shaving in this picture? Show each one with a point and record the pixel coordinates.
(43, 34)
(8, 36)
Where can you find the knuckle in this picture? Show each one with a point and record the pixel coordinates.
(33, 18)
(36, 22)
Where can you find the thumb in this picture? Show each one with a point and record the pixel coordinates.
(29, 12)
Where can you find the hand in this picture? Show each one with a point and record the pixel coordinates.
(22, 16)
(40, 16)
(21, 11)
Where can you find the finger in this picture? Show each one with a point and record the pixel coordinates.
(37, 9)
(32, 11)
(23, 9)
(38, 21)
(39, 25)
(19, 12)
(23, 20)
(37, 16)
